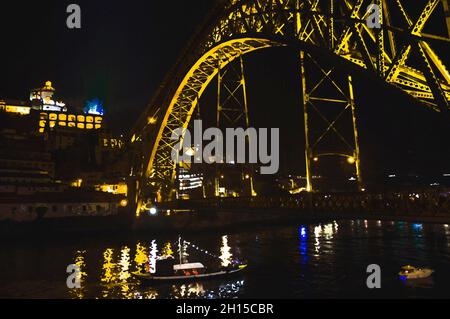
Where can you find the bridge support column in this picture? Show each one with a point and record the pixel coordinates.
(232, 111)
(308, 152)
(329, 112)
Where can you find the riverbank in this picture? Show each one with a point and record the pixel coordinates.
(193, 221)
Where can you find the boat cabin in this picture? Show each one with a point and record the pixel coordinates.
(190, 269)
(408, 269)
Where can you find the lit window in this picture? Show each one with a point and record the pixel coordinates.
(62, 123)
(80, 118)
(41, 130)
(97, 126)
(53, 116)
(80, 125)
(72, 118)
(52, 124)
(42, 123)
(71, 124)
(98, 119)
(62, 117)
(89, 126)
(89, 119)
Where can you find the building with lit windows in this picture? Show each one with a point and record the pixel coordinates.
(15, 107)
(44, 142)
(49, 120)
(50, 113)
(43, 99)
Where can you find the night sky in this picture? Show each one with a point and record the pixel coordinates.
(125, 48)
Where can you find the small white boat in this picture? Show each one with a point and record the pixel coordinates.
(192, 271)
(411, 272)
(169, 271)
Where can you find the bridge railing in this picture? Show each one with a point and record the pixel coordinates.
(414, 203)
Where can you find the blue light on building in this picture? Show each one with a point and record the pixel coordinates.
(94, 107)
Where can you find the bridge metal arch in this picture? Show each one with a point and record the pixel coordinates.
(346, 36)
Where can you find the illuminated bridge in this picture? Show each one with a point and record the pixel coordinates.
(400, 54)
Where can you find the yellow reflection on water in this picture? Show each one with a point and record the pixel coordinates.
(167, 250)
(108, 267)
(125, 272)
(116, 275)
(328, 231)
(81, 276)
(124, 264)
(325, 232)
(225, 250)
(188, 291)
(141, 258)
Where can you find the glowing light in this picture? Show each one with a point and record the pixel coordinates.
(94, 107)
(328, 231)
(303, 233)
(190, 152)
(167, 250)
(152, 120)
(153, 211)
(141, 257)
(153, 257)
(124, 263)
(123, 202)
(351, 160)
(316, 159)
(108, 266)
(225, 250)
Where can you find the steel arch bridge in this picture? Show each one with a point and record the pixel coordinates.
(337, 27)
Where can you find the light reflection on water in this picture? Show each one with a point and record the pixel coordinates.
(309, 260)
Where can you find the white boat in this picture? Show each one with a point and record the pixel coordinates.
(186, 272)
(411, 272)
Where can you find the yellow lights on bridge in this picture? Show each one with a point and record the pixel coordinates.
(384, 54)
(350, 159)
(151, 120)
(190, 152)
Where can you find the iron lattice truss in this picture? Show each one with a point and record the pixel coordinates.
(401, 55)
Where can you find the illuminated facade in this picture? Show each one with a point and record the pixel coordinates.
(18, 108)
(51, 113)
(76, 121)
(42, 99)
(113, 188)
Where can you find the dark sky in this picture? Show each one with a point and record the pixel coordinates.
(124, 49)
(120, 55)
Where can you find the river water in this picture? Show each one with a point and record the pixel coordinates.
(327, 260)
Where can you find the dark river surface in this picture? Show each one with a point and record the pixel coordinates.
(327, 260)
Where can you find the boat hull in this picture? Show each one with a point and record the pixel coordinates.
(421, 274)
(156, 279)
